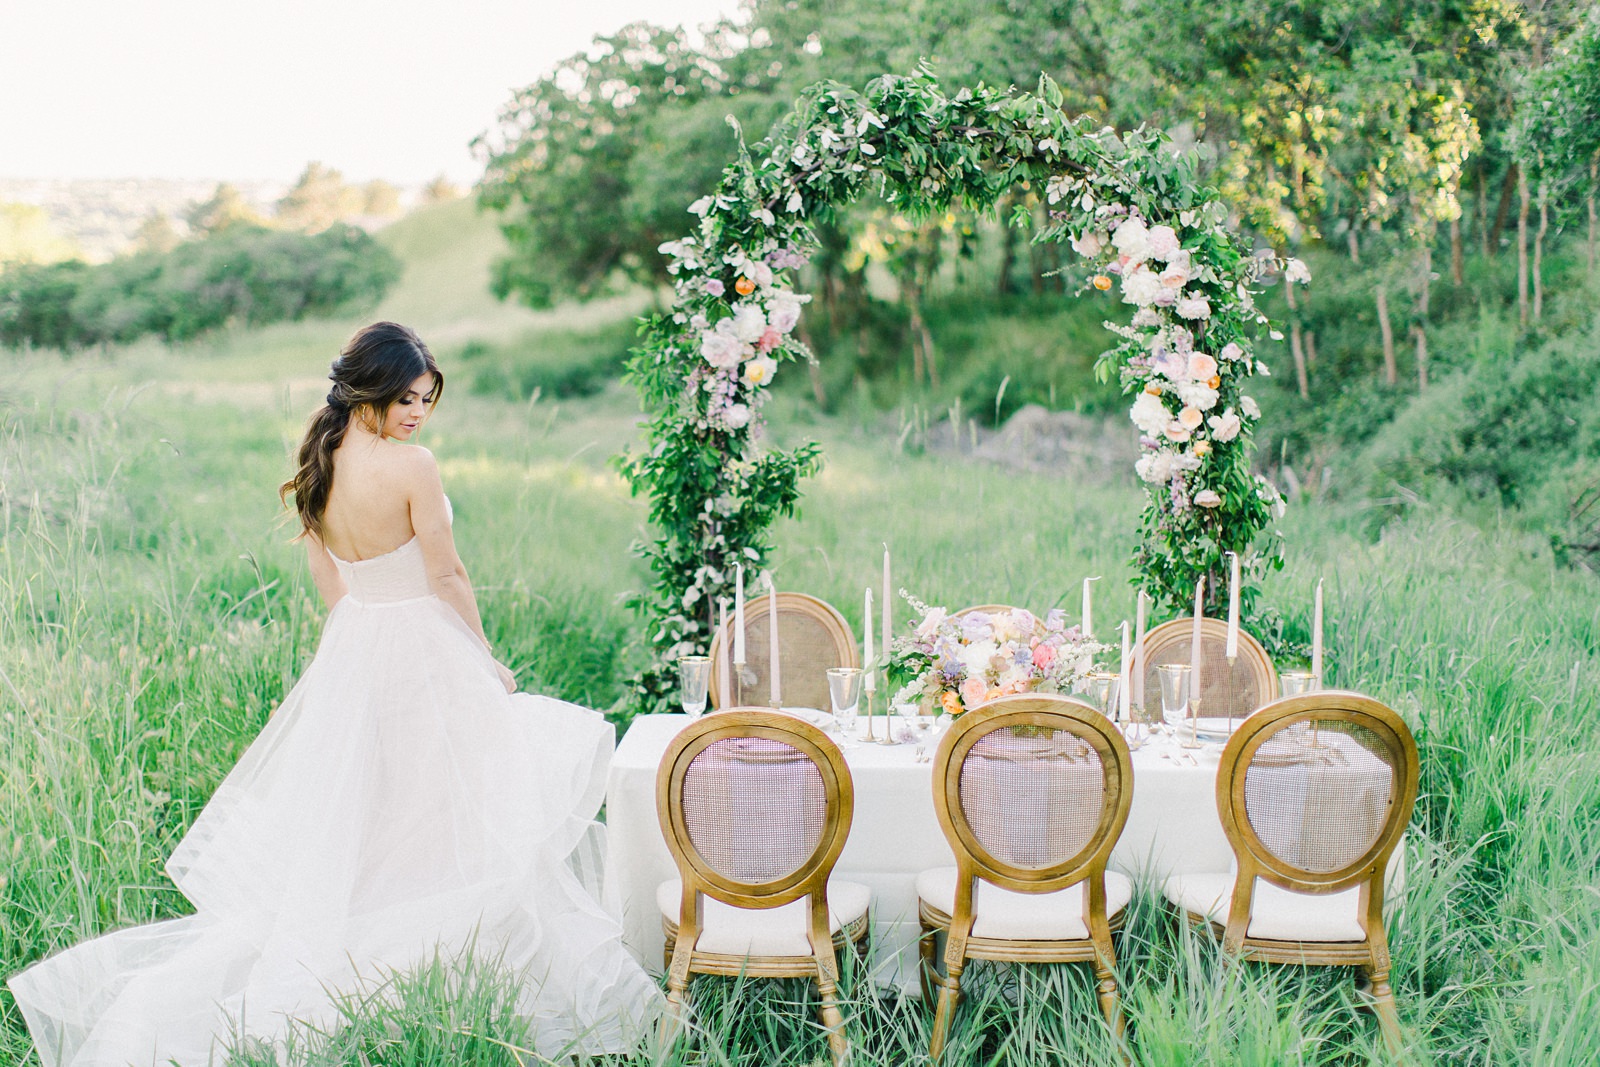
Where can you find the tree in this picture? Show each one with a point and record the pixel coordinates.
(1558, 123)
(380, 199)
(26, 236)
(440, 190)
(156, 234)
(226, 208)
(319, 199)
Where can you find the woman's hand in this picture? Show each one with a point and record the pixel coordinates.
(507, 679)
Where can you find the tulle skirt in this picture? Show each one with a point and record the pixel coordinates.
(398, 805)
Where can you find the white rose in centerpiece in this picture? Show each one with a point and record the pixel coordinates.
(1224, 427)
(1090, 245)
(1193, 307)
(1140, 286)
(1155, 468)
(721, 347)
(749, 322)
(1207, 498)
(783, 310)
(1150, 414)
(1132, 239)
(1197, 395)
(1163, 243)
(759, 371)
(1248, 405)
(978, 657)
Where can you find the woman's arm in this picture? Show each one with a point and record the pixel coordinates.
(447, 575)
(329, 582)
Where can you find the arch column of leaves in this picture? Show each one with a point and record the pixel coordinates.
(1128, 204)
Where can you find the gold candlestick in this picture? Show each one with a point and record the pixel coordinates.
(1194, 723)
(870, 736)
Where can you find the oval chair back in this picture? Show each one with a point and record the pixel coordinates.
(812, 636)
(1032, 792)
(1314, 792)
(1225, 691)
(755, 806)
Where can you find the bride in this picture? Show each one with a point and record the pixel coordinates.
(401, 802)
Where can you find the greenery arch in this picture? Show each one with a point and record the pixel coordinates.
(1129, 204)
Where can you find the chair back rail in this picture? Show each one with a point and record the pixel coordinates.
(812, 636)
(1225, 690)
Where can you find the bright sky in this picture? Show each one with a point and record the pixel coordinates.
(253, 89)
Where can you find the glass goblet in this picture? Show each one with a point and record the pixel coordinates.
(1174, 693)
(844, 690)
(1103, 687)
(1295, 683)
(694, 678)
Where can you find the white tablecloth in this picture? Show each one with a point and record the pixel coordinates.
(1172, 828)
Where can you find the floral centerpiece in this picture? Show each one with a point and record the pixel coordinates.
(954, 663)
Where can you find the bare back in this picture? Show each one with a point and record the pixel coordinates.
(369, 506)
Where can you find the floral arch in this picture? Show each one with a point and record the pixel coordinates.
(1129, 205)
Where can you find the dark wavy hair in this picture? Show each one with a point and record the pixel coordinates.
(373, 371)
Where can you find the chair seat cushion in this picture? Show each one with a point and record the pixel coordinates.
(781, 931)
(1276, 914)
(1007, 915)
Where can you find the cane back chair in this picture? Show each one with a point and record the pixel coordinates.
(1032, 792)
(812, 636)
(1314, 792)
(987, 609)
(1226, 691)
(755, 806)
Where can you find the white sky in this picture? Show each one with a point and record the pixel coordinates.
(253, 89)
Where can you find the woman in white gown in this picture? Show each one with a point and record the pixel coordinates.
(402, 801)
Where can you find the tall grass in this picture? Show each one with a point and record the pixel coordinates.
(152, 612)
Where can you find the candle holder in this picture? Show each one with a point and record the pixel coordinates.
(1231, 703)
(870, 736)
(1193, 739)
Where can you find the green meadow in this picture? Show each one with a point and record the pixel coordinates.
(153, 611)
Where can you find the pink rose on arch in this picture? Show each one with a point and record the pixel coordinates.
(1190, 418)
(715, 287)
(1202, 367)
(973, 691)
(736, 416)
(769, 340)
(1163, 241)
(1208, 498)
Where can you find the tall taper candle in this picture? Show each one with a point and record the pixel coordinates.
(887, 607)
(1194, 641)
(772, 628)
(738, 614)
(1088, 615)
(1316, 636)
(869, 679)
(724, 691)
(1233, 606)
(1123, 699)
(1138, 649)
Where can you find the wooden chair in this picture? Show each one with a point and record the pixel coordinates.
(755, 807)
(1314, 792)
(1032, 792)
(812, 636)
(1225, 692)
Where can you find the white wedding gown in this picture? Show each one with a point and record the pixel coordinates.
(399, 803)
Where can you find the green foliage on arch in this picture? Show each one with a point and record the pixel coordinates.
(1129, 205)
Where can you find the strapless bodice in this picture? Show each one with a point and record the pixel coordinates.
(393, 576)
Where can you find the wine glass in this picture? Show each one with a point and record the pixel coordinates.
(844, 689)
(694, 678)
(1294, 683)
(1174, 693)
(1103, 687)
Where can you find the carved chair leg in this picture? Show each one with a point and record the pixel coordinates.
(679, 967)
(832, 1018)
(944, 1014)
(927, 972)
(1383, 1007)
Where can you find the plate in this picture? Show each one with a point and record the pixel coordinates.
(1214, 729)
